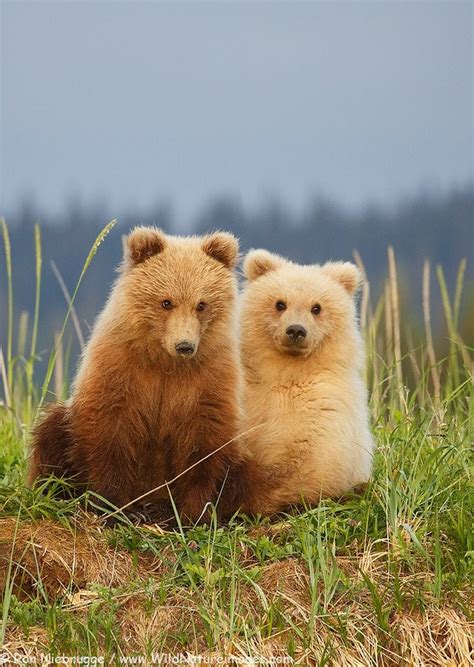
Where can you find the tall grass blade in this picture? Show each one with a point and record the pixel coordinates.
(52, 360)
(6, 384)
(429, 333)
(394, 300)
(22, 333)
(58, 366)
(30, 366)
(365, 298)
(413, 362)
(8, 588)
(468, 363)
(388, 312)
(39, 263)
(374, 356)
(453, 367)
(458, 292)
(67, 296)
(8, 267)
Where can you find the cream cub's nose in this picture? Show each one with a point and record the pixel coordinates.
(295, 333)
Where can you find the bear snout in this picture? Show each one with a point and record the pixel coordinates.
(296, 333)
(185, 348)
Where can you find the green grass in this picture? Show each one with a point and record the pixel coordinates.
(383, 578)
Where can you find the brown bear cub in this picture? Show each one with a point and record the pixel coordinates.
(157, 388)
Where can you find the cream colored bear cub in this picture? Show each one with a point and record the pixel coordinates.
(303, 358)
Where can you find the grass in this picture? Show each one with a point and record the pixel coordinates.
(383, 578)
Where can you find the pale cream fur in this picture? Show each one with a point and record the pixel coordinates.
(310, 400)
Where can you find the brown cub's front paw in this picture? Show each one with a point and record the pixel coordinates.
(160, 512)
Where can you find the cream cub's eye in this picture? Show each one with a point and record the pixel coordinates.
(166, 304)
(201, 306)
(316, 309)
(280, 305)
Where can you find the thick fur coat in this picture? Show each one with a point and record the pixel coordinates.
(303, 367)
(158, 385)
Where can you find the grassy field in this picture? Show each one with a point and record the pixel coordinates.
(384, 578)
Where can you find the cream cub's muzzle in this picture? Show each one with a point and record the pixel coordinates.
(294, 334)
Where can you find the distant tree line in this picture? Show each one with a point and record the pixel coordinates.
(435, 226)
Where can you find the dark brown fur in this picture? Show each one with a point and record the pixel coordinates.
(54, 434)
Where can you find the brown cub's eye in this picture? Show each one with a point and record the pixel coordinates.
(167, 305)
(201, 305)
(316, 309)
(280, 305)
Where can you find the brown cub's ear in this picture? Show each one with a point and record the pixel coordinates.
(259, 262)
(223, 247)
(143, 242)
(345, 273)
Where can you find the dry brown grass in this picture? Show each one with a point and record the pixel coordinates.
(66, 563)
(63, 561)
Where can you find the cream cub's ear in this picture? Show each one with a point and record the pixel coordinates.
(143, 242)
(223, 247)
(259, 262)
(345, 273)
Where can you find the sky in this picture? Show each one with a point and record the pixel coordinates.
(136, 102)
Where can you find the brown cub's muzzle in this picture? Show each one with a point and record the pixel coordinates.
(185, 349)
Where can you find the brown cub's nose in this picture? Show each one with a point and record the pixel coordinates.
(295, 333)
(185, 348)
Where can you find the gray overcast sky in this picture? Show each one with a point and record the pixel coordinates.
(136, 101)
